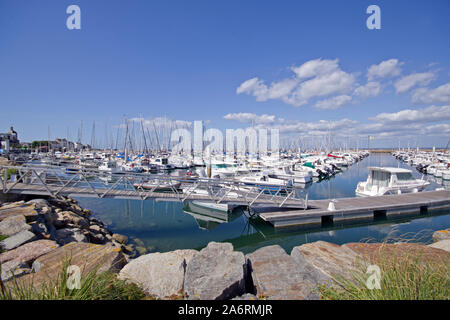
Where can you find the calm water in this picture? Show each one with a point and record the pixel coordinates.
(165, 226)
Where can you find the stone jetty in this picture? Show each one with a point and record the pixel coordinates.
(41, 231)
(38, 236)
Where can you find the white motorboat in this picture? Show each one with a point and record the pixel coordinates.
(285, 173)
(212, 205)
(109, 166)
(266, 181)
(446, 174)
(157, 186)
(384, 181)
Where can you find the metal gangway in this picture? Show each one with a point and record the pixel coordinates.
(55, 181)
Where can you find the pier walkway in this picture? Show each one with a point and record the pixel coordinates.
(54, 182)
(364, 208)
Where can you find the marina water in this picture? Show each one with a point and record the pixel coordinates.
(166, 226)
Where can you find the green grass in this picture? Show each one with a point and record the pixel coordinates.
(2, 237)
(408, 277)
(93, 286)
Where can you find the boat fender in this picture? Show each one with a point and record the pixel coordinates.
(331, 206)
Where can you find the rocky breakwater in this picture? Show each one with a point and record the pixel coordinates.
(218, 272)
(37, 235)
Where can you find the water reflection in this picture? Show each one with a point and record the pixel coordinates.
(165, 226)
(207, 218)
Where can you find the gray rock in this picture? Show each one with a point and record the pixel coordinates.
(38, 202)
(25, 210)
(277, 276)
(17, 240)
(28, 252)
(87, 256)
(141, 250)
(441, 235)
(332, 260)
(120, 238)
(9, 205)
(443, 245)
(139, 242)
(97, 238)
(13, 225)
(95, 228)
(216, 273)
(71, 217)
(96, 221)
(13, 268)
(67, 235)
(306, 267)
(160, 274)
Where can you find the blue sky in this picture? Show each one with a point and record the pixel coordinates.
(308, 68)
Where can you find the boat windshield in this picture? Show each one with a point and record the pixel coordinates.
(380, 178)
(404, 176)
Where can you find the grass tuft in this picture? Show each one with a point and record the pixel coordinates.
(408, 276)
(93, 286)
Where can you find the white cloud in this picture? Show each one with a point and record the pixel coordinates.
(281, 89)
(161, 122)
(438, 129)
(255, 87)
(250, 117)
(336, 82)
(407, 82)
(371, 89)
(315, 68)
(386, 68)
(314, 78)
(408, 116)
(437, 95)
(320, 127)
(333, 103)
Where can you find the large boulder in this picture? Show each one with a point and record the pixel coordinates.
(14, 269)
(441, 235)
(13, 225)
(24, 210)
(120, 238)
(331, 259)
(160, 274)
(216, 273)
(88, 257)
(73, 218)
(381, 252)
(28, 252)
(443, 245)
(17, 240)
(277, 276)
(10, 205)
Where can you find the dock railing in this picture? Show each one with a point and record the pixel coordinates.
(56, 181)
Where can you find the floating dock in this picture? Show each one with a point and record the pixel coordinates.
(359, 208)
